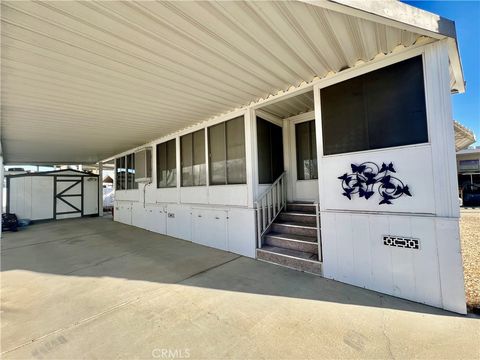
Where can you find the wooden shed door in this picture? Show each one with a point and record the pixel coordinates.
(68, 197)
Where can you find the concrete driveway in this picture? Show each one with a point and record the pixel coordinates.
(96, 289)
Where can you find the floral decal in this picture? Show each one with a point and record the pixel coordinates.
(367, 176)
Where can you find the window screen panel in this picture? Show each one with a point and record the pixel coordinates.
(120, 178)
(199, 164)
(380, 109)
(216, 141)
(343, 117)
(264, 146)
(134, 183)
(313, 150)
(171, 163)
(130, 172)
(186, 145)
(161, 165)
(270, 151)
(235, 135)
(395, 105)
(302, 139)
(277, 151)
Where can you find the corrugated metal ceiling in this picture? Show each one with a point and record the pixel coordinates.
(84, 80)
(292, 106)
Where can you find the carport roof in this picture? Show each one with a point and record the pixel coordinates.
(82, 81)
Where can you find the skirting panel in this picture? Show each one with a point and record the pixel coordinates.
(412, 257)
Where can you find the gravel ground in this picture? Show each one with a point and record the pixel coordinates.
(470, 235)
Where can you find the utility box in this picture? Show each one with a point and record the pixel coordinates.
(143, 165)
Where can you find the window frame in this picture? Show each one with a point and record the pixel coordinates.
(225, 151)
(270, 126)
(127, 185)
(203, 181)
(368, 69)
(157, 164)
(294, 138)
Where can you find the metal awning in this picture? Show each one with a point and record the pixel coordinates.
(463, 137)
(82, 81)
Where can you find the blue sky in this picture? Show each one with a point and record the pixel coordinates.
(466, 14)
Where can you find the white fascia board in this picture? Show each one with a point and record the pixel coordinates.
(392, 13)
(405, 17)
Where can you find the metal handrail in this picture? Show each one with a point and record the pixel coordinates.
(270, 204)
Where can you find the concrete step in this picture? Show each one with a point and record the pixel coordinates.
(291, 227)
(298, 260)
(304, 207)
(293, 242)
(299, 217)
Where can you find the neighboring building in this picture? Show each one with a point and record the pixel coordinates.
(314, 135)
(468, 165)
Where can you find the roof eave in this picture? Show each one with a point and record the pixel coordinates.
(406, 17)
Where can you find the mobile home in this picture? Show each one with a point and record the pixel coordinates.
(316, 135)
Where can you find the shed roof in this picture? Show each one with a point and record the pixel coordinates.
(82, 81)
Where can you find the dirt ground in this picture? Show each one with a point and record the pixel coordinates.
(470, 234)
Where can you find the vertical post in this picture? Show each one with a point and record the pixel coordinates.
(274, 200)
(100, 189)
(178, 166)
(319, 138)
(264, 213)
(317, 218)
(259, 226)
(1, 193)
(250, 156)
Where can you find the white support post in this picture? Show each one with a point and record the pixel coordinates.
(178, 162)
(100, 189)
(319, 138)
(250, 156)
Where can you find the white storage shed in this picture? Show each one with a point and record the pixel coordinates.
(52, 195)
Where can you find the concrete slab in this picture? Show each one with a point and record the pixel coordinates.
(92, 288)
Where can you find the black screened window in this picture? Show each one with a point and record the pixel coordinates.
(125, 173)
(192, 153)
(130, 172)
(120, 183)
(227, 152)
(381, 109)
(306, 148)
(270, 151)
(167, 164)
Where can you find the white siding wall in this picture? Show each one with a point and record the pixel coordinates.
(31, 197)
(352, 230)
(226, 228)
(217, 216)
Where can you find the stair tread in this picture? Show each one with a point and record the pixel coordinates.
(300, 202)
(294, 223)
(293, 253)
(296, 237)
(299, 213)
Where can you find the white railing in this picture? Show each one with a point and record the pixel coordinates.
(317, 216)
(269, 205)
